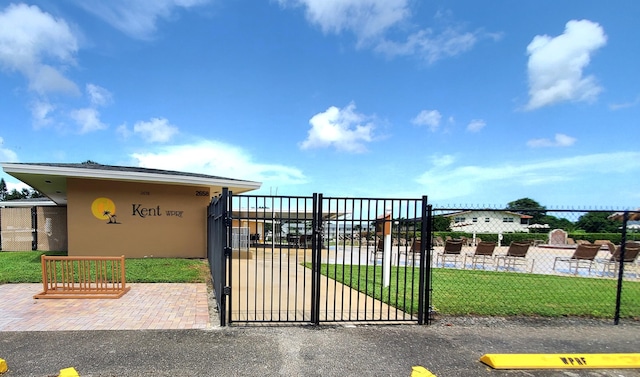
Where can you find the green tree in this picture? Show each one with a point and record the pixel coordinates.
(37, 194)
(597, 222)
(14, 194)
(528, 206)
(441, 224)
(3, 189)
(557, 223)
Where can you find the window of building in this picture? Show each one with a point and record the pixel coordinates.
(475, 219)
(507, 219)
(486, 219)
(459, 219)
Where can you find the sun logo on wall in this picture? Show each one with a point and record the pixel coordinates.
(104, 209)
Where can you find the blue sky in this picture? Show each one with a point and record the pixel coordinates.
(468, 102)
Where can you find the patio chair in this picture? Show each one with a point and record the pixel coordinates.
(516, 256)
(378, 252)
(583, 257)
(611, 265)
(452, 252)
(413, 252)
(305, 241)
(482, 256)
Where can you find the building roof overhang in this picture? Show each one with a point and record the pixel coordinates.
(51, 179)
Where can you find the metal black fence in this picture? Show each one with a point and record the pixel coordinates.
(324, 259)
(536, 262)
(316, 259)
(219, 249)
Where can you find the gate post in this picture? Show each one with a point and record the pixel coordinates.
(424, 286)
(316, 257)
(623, 242)
(227, 248)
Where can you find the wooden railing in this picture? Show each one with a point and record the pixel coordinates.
(83, 277)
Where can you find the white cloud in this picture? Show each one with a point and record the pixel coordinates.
(560, 140)
(429, 45)
(340, 128)
(40, 111)
(447, 181)
(98, 96)
(367, 19)
(443, 161)
(157, 130)
(625, 105)
(476, 125)
(136, 18)
(429, 118)
(7, 155)
(371, 21)
(218, 159)
(88, 119)
(123, 131)
(556, 65)
(31, 42)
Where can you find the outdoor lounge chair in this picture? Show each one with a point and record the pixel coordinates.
(305, 241)
(482, 256)
(378, 252)
(413, 252)
(611, 265)
(583, 257)
(516, 256)
(452, 252)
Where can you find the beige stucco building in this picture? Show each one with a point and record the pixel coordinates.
(136, 212)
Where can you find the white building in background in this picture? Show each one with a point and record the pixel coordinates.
(487, 221)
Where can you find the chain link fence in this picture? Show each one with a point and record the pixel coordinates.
(535, 262)
(33, 228)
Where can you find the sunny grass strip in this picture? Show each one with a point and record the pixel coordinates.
(490, 293)
(25, 267)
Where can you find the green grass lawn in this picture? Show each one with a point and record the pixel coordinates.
(490, 293)
(25, 267)
(454, 292)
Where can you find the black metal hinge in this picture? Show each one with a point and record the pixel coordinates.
(227, 251)
(226, 290)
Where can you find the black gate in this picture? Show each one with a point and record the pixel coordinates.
(320, 259)
(218, 249)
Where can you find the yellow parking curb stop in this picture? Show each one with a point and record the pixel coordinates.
(562, 361)
(419, 371)
(68, 372)
(3, 366)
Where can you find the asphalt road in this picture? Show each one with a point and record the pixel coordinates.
(450, 347)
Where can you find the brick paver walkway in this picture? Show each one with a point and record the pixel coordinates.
(145, 306)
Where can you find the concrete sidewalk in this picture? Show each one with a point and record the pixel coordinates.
(275, 285)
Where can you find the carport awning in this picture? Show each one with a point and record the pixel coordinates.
(283, 214)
